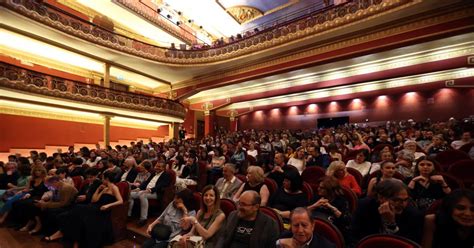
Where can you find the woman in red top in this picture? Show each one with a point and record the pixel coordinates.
(338, 170)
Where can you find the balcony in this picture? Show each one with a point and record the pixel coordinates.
(31, 82)
(303, 28)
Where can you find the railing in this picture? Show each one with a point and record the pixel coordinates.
(18, 78)
(326, 20)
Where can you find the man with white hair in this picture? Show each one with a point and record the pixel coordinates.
(129, 170)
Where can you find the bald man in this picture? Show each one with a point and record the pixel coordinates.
(248, 227)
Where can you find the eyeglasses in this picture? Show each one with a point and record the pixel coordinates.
(243, 204)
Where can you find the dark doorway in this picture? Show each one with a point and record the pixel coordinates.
(200, 130)
(332, 122)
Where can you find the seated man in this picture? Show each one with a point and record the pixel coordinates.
(279, 167)
(150, 189)
(388, 213)
(229, 184)
(90, 185)
(247, 226)
(302, 227)
(129, 170)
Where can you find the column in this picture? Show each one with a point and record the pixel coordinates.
(107, 76)
(233, 124)
(107, 130)
(209, 122)
(173, 130)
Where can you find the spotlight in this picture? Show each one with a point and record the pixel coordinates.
(168, 16)
(179, 13)
(178, 23)
(158, 10)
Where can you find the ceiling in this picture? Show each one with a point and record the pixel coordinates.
(239, 79)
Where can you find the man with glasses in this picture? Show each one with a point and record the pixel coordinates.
(389, 212)
(247, 226)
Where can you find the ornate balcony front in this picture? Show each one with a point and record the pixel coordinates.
(304, 28)
(31, 82)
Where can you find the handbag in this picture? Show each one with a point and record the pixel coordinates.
(192, 242)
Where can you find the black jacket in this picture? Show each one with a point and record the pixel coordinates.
(162, 182)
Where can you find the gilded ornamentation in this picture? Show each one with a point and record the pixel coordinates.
(25, 80)
(244, 14)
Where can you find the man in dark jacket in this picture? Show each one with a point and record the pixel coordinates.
(388, 213)
(248, 227)
(150, 189)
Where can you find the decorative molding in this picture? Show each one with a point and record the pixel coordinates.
(244, 14)
(17, 78)
(313, 25)
(453, 84)
(470, 60)
(207, 106)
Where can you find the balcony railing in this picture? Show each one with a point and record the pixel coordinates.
(18, 78)
(314, 24)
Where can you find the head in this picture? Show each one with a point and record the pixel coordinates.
(329, 188)
(91, 174)
(393, 191)
(255, 174)
(185, 197)
(458, 208)
(53, 182)
(292, 180)
(466, 136)
(210, 198)
(386, 156)
(410, 145)
(279, 159)
(337, 169)
(228, 171)
(109, 177)
(129, 163)
(249, 204)
(425, 166)
(300, 153)
(38, 171)
(405, 158)
(62, 172)
(438, 140)
(160, 166)
(362, 156)
(302, 225)
(388, 169)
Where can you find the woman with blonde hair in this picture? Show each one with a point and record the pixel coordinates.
(255, 181)
(338, 170)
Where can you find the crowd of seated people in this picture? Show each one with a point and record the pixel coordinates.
(392, 172)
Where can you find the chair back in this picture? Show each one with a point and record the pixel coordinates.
(308, 190)
(464, 171)
(467, 147)
(327, 230)
(351, 198)
(452, 181)
(354, 172)
(119, 213)
(78, 182)
(434, 207)
(386, 240)
(242, 177)
(449, 157)
(271, 185)
(312, 174)
(274, 215)
(197, 201)
(202, 180)
(227, 206)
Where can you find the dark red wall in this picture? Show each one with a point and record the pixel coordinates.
(29, 132)
(437, 105)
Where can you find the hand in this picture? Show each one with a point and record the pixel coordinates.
(321, 202)
(80, 198)
(149, 228)
(437, 179)
(387, 213)
(101, 187)
(26, 196)
(420, 179)
(104, 207)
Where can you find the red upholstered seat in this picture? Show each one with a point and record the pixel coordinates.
(386, 240)
(449, 157)
(467, 147)
(453, 182)
(354, 172)
(227, 206)
(464, 171)
(202, 180)
(351, 198)
(78, 182)
(327, 230)
(312, 174)
(434, 207)
(197, 201)
(271, 185)
(242, 177)
(274, 215)
(168, 194)
(308, 190)
(119, 213)
(350, 155)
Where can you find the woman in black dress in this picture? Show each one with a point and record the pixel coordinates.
(290, 196)
(90, 225)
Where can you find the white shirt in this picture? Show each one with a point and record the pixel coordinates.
(153, 181)
(362, 168)
(226, 185)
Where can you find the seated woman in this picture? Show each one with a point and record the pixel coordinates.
(453, 224)
(34, 191)
(209, 219)
(298, 161)
(190, 172)
(91, 225)
(255, 182)
(338, 170)
(171, 222)
(361, 162)
(404, 163)
(384, 156)
(333, 151)
(438, 145)
(332, 206)
(427, 186)
(290, 196)
(16, 193)
(387, 170)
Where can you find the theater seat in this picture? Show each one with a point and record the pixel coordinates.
(327, 230)
(308, 190)
(78, 182)
(386, 240)
(274, 215)
(227, 206)
(197, 201)
(351, 198)
(271, 185)
(449, 157)
(453, 182)
(312, 174)
(434, 207)
(464, 171)
(119, 213)
(358, 177)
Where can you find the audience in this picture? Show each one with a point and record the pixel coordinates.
(229, 183)
(290, 196)
(255, 182)
(338, 170)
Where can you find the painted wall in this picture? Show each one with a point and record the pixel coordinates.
(29, 132)
(190, 122)
(437, 105)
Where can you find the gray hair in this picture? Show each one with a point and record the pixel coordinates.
(406, 155)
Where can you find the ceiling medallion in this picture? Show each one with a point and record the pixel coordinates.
(244, 14)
